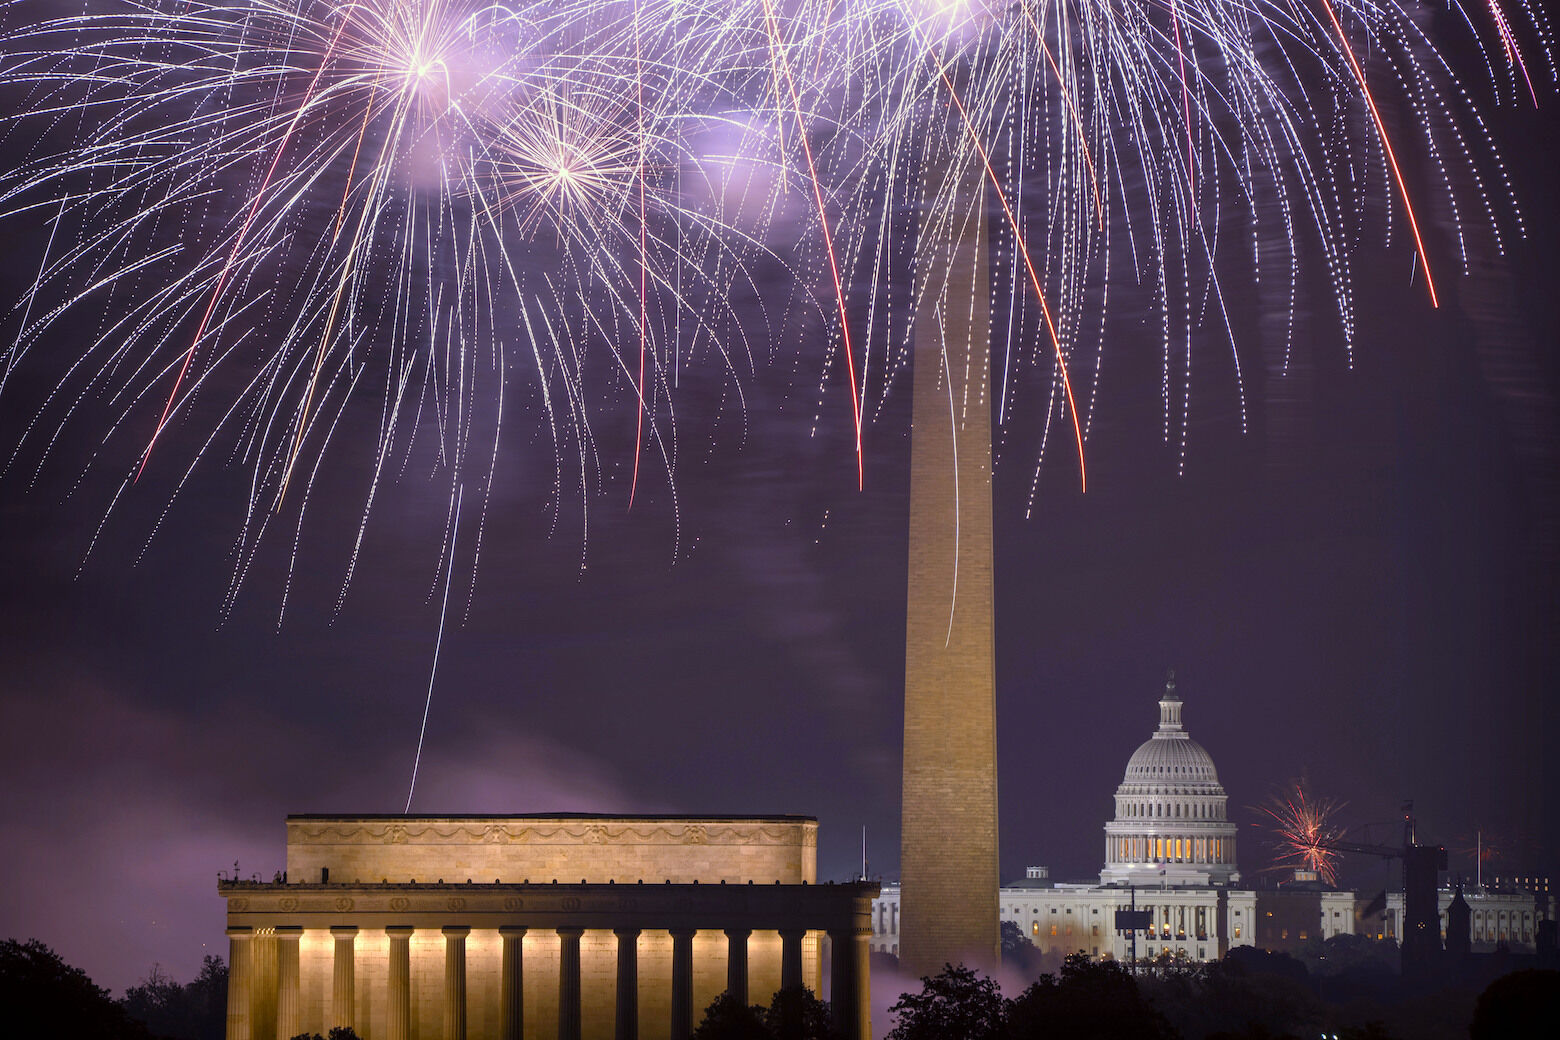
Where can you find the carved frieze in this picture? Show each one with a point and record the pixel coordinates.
(587, 833)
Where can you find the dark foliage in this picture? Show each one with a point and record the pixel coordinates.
(794, 1014)
(956, 1004)
(1242, 996)
(1087, 1000)
(196, 1011)
(44, 996)
(1019, 953)
(727, 1018)
(1356, 956)
(336, 1033)
(1517, 1006)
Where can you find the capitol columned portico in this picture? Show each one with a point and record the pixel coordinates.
(662, 915)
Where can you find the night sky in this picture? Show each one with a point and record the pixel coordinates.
(1360, 590)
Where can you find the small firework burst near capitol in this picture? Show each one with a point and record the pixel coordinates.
(1304, 831)
(260, 221)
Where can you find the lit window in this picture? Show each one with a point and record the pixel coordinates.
(1053, 929)
(1237, 932)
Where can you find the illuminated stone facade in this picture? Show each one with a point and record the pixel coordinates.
(948, 823)
(511, 927)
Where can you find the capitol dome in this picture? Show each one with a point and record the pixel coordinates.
(1171, 824)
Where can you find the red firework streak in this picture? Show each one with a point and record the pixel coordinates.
(1386, 145)
(1034, 277)
(776, 45)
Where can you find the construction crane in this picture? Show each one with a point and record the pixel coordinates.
(1422, 864)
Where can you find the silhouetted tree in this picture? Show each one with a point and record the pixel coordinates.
(1368, 1031)
(956, 1004)
(727, 1018)
(43, 996)
(336, 1033)
(1359, 956)
(796, 1014)
(1089, 999)
(196, 1011)
(1237, 997)
(1254, 1031)
(1019, 952)
(793, 1014)
(1517, 1006)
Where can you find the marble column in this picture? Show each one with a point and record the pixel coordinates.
(455, 981)
(262, 984)
(511, 983)
(240, 983)
(569, 983)
(737, 963)
(848, 979)
(682, 983)
(791, 983)
(343, 983)
(627, 1018)
(399, 1017)
(791, 957)
(289, 1005)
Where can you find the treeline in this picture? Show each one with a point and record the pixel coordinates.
(1250, 995)
(44, 996)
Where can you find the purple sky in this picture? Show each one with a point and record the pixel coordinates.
(1362, 589)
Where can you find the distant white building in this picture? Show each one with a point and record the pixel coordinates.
(1171, 851)
(1496, 917)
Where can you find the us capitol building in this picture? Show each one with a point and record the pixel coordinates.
(1171, 851)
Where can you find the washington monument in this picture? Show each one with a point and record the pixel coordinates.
(948, 830)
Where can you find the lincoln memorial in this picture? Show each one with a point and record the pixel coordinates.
(510, 927)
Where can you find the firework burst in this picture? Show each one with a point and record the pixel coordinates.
(273, 224)
(1304, 831)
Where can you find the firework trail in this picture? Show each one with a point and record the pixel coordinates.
(1303, 832)
(267, 227)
